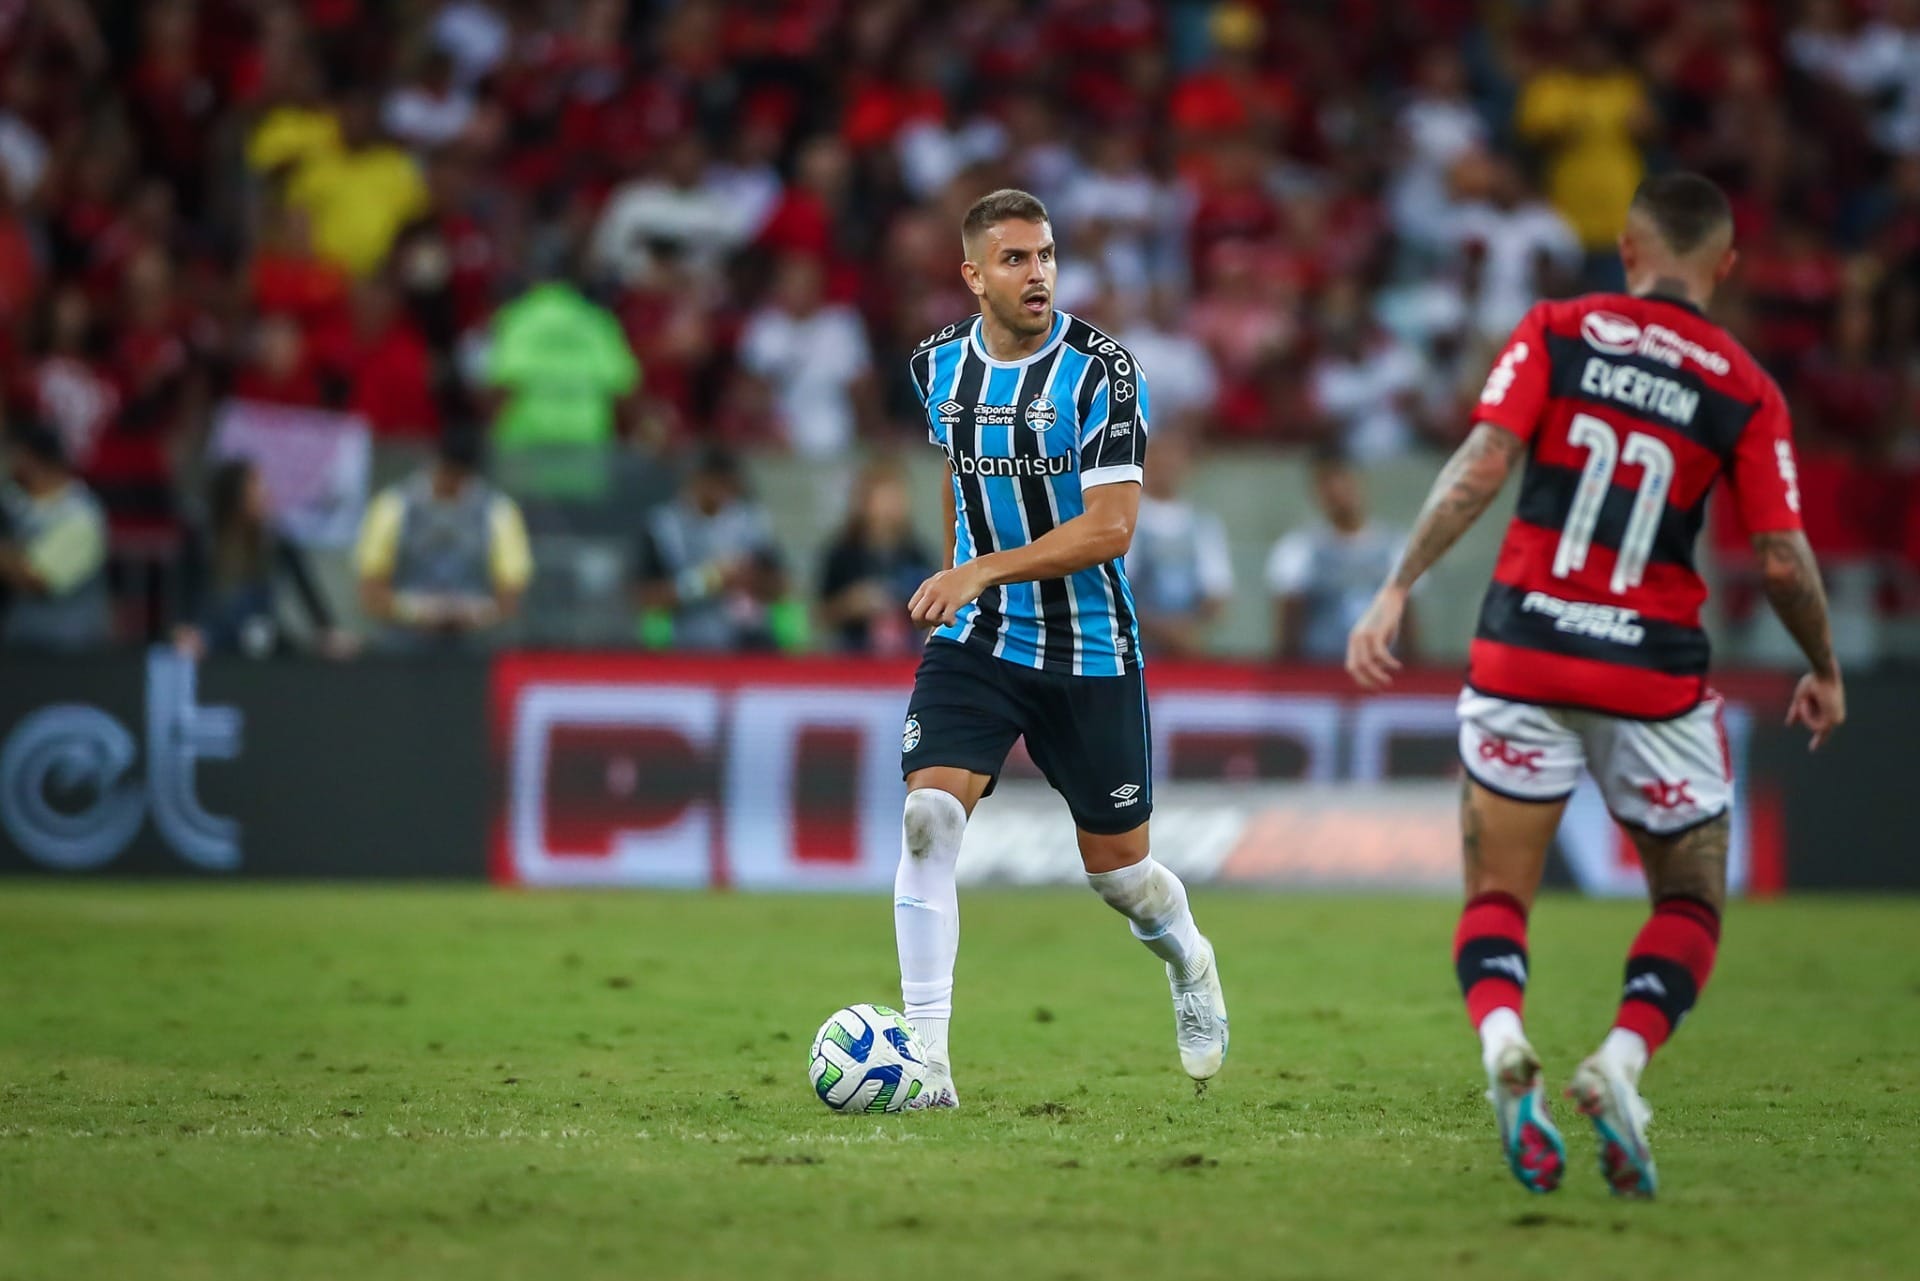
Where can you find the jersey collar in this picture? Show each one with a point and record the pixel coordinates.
(1672, 301)
(1058, 332)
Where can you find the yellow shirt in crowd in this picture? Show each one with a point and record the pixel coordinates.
(358, 201)
(1585, 126)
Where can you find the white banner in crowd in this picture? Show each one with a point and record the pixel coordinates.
(315, 464)
(784, 774)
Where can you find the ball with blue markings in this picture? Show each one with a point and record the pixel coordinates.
(867, 1058)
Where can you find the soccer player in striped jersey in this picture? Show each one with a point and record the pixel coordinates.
(1043, 420)
(1627, 409)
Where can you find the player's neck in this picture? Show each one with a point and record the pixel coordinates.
(1671, 286)
(1003, 344)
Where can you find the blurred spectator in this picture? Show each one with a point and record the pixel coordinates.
(72, 389)
(361, 194)
(1322, 577)
(873, 567)
(1184, 381)
(443, 557)
(279, 370)
(1586, 118)
(448, 263)
(563, 366)
(1180, 566)
(474, 35)
(230, 572)
(708, 570)
(810, 360)
(1437, 126)
(1517, 247)
(53, 549)
(678, 207)
(1366, 381)
(432, 110)
(383, 368)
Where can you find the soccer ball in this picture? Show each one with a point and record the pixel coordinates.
(867, 1058)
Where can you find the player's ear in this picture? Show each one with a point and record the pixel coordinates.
(1726, 265)
(971, 274)
(1629, 256)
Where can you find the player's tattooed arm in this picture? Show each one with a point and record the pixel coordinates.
(1466, 485)
(1792, 581)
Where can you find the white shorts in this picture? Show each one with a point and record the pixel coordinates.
(1660, 776)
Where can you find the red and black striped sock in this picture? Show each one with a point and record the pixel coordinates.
(1667, 968)
(1490, 954)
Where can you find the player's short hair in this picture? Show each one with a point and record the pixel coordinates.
(1009, 204)
(1685, 208)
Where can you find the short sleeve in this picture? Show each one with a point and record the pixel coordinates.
(1290, 564)
(1515, 394)
(1215, 560)
(68, 553)
(920, 374)
(510, 556)
(1764, 476)
(1113, 428)
(379, 543)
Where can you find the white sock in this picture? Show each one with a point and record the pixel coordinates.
(1498, 1030)
(926, 912)
(1150, 896)
(1627, 1051)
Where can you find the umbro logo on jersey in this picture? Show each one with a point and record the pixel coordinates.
(1513, 965)
(1041, 414)
(1124, 795)
(949, 411)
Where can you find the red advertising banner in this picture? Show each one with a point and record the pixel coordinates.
(778, 773)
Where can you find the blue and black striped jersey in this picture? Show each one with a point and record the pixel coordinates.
(1025, 439)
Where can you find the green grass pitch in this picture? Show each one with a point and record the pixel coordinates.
(363, 1084)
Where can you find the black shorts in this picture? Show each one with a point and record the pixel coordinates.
(1088, 734)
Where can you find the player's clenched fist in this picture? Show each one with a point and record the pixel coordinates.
(942, 597)
(1370, 659)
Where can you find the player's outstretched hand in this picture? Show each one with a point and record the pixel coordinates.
(1819, 703)
(942, 597)
(1370, 659)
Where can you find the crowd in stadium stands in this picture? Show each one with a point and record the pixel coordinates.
(664, 228)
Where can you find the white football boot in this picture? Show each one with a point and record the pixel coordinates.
(1606, 1096)
(1535, 1152)
(1200, 1018)
(936, 1092)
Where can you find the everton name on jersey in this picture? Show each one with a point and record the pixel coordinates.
(1632, 409)
(1026, 439)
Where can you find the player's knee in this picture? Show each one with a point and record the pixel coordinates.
(933, 824)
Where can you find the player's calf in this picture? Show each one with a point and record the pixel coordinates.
(926, 918)
(1154, 901)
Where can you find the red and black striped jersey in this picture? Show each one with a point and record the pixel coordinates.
(1632, 409)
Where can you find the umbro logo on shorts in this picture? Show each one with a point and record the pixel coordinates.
(1124, 795)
